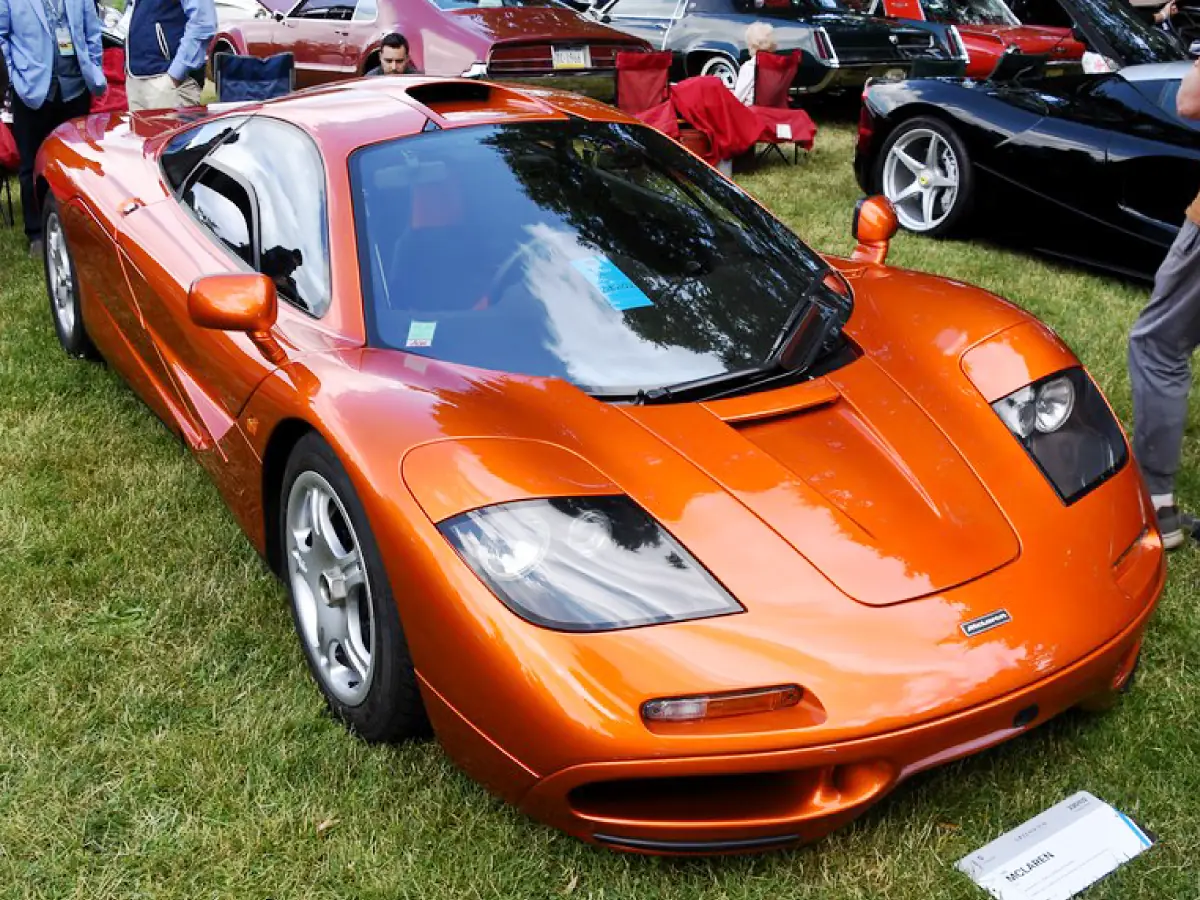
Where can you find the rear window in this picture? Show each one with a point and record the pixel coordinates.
(600, 253)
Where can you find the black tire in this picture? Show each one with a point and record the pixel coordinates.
(391, 708)
(62, 285)
(948, 221)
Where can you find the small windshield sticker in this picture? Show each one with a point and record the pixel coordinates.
(420, 334)
(616, 287)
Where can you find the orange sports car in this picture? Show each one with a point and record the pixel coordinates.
(681, 536)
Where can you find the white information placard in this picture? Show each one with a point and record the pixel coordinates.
(1057, 854)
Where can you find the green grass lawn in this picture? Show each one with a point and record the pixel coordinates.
(160, 737)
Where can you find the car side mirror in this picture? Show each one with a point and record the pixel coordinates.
(277, 16)
(246, 303)
(605, 18)
(875, 225)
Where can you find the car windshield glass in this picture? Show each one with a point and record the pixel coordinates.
(491, 4)
(600, 253)
(969, 12)
(1126, 35)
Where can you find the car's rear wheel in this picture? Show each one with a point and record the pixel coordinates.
(721, 67)
(342, 602)
(924, 170)
(62, 285)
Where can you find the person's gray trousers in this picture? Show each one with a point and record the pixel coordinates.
(1160, 361)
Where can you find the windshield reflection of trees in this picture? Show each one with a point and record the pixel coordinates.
(722, 275)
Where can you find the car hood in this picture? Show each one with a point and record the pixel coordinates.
(1114, 30)
(855, 476)
(528, 24)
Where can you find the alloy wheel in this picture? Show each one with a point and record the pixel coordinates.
(330, 590)
(58, 274)
(921, 177)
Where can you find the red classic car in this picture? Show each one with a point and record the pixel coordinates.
(989, 29)
(538, 41)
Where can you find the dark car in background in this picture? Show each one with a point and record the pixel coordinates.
(1096, 168)
(846, 47)
(531, 41)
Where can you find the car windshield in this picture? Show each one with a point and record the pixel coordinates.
(969, 12)
(600, 253)
(1123, 34)
(491, 4)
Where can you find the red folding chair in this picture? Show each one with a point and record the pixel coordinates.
(642, 80)
(773, 77)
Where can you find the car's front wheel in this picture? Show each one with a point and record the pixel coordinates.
(62, 285)
(342, 602)
(924, 170)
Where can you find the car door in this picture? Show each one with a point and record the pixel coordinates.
(648, 19)
(254, 203)
(316, 32)
(1155, 163)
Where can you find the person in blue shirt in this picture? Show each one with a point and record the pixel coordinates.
(166, 48)
(52, 52)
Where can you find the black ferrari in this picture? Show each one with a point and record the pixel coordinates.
(1096, 168)
(843, 47)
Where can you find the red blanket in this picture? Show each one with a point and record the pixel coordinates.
(803, 129)
(710, 107)
(114, 99)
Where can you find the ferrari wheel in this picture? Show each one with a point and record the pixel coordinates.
(721, 67)
(924, 170)
(62, 285)
(342, 603)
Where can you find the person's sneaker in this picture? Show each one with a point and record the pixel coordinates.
(1176, 526)
(36, 248)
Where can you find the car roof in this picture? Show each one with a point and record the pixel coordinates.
(352, 114)
(1170, 71)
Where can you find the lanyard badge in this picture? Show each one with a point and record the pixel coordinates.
(66, 46)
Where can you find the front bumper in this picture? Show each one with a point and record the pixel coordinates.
(757, 801)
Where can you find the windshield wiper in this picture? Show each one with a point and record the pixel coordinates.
(801, 340)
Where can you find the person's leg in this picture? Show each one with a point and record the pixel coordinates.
(30, 128)
(145, 93)
(28, 132)
(1160, 373)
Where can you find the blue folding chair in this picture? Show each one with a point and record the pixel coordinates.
(248, 78)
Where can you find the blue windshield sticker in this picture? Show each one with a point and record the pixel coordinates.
(615, 286)
(420, 334)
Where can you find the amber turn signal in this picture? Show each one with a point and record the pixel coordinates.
(717, 706)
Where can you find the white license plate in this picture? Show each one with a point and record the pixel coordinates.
(572, 57)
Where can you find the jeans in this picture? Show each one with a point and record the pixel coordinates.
(1160, 361)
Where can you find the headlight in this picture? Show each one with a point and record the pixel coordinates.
(1066, 427)
(585, 564)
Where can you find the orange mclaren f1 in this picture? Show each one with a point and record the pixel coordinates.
(682, 537)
